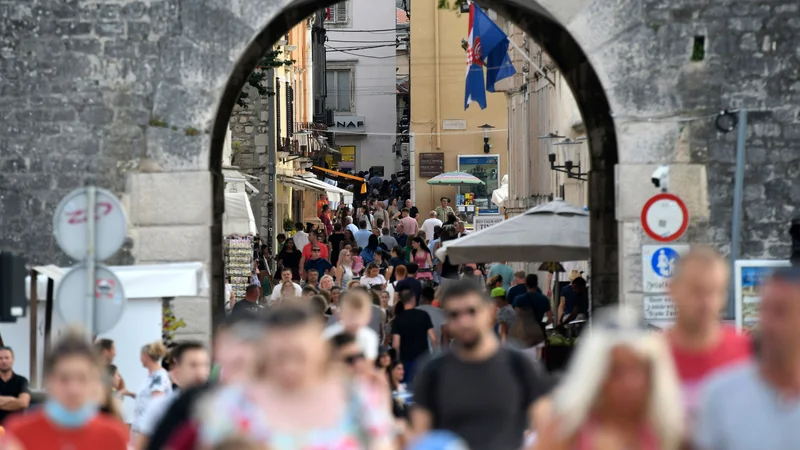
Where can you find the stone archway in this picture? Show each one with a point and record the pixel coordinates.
(534, 17)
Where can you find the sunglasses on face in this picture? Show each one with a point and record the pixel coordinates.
(352, 359)
(314, 249)
(456, 313)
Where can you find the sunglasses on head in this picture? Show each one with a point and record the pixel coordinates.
(456, 313)
(352, 359)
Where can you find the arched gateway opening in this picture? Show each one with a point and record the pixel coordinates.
(535, 19)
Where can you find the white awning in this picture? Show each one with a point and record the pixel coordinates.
(145, 281)
(335, 193)
(238, 217)
(300, 184)
(234, 176)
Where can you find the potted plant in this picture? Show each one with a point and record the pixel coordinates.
(288, 224)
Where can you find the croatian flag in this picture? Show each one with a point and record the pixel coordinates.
(487, 46)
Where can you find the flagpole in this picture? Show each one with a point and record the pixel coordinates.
(530, 61)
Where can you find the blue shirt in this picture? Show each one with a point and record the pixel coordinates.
(515, 292)
(755, 417)
(320, 265)
(535, 301)
(362, 237)
(504, 271)
(569, 298)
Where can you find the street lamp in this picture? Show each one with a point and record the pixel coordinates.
(572, 170)
(486, 145)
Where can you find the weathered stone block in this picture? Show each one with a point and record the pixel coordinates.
(634, 188)
(154, 244)
(177, 198)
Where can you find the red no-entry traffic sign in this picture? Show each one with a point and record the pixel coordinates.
(665, 217)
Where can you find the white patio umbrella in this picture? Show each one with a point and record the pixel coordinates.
(555, 231)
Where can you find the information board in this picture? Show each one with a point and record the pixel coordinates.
(431, 164)
(749, 276)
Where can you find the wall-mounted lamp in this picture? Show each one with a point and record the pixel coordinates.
(552, 135)
(572, 170)
(302, 140)
(486, 129)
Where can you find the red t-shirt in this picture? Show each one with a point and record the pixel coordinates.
(36, 431)
(323, 250)
(695, 367)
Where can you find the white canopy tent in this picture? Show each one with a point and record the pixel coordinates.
(555, 231)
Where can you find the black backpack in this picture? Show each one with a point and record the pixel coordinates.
(434, 371)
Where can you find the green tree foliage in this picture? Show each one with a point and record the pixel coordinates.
(257, 77)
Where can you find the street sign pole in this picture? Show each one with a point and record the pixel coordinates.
(91, 240)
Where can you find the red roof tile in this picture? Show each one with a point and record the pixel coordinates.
(402, 17)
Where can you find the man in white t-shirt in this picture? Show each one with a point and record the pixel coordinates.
(286, 275)
(300, 238)
(354, 317)
(430, 223)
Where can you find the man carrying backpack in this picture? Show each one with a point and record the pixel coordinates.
(481, 391)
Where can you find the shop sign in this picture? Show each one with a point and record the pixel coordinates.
(348, 124)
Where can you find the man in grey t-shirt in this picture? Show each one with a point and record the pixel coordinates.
(757, 406)
(437, 315)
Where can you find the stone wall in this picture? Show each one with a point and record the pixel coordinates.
(250, 142)
(120, 93)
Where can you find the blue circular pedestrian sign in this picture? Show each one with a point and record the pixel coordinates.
(663, 262)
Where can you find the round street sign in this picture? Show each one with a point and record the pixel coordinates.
(665, 217)
(109, 298)
(70, 224)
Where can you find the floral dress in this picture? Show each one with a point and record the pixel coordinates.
(232, 412)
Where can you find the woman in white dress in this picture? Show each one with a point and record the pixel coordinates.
(155, 385)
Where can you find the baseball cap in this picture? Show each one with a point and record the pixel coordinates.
(498, 292)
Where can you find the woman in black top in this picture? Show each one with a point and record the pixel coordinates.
(447, 270)
(289, 257)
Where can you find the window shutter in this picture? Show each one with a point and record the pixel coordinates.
(340, 12)
(278, 112)
(289, 110)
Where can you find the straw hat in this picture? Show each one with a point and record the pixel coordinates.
(574, 274)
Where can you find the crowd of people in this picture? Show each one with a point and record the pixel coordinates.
(436, 364)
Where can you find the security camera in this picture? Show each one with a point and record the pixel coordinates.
(660, 178)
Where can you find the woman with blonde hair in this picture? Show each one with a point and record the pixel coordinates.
(300, 400)
(344, 269)
(155, 385)
(621, 392)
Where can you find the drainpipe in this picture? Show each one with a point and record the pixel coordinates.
(436, 58)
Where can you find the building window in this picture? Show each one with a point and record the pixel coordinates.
(338, 14)
(340, 89)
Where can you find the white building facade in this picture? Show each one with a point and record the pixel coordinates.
(361, 83)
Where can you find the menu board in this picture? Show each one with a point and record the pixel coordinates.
(239, 264)
(749, 277)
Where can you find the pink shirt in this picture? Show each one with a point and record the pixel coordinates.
(410, 226)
